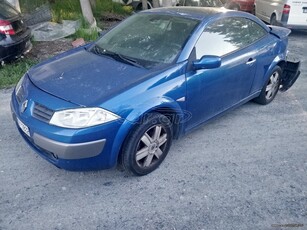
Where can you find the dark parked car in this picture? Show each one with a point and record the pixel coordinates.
(14, 34)
(156, 76)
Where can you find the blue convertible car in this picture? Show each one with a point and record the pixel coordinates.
(154, 77)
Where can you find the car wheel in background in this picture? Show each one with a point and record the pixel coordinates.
(235, 7)
(271, 88)
(147, 145)
(273, 20)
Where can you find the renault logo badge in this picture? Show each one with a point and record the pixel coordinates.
(24, 106)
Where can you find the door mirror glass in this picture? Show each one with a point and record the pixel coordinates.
(207, 62)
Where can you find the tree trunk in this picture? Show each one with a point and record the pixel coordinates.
(93, 3)
(155, 3)
(166, 3)
(87, 12)
(15, 3)
(144, 4)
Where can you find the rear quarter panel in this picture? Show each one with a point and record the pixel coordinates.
(272, 51)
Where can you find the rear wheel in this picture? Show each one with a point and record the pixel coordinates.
(271, 88)
(147, 145)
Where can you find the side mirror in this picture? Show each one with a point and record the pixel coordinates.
(207, 62)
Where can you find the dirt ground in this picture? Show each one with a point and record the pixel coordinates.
(44, 50)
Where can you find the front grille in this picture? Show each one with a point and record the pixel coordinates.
(42, 113)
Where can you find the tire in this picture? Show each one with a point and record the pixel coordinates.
(147, 145)
(271, 87)
(273, 20)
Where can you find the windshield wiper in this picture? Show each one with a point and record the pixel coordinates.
(119, 57)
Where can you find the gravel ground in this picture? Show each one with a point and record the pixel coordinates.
(246, 170)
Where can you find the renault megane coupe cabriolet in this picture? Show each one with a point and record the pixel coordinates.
(154, 77)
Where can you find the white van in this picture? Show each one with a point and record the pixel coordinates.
(287, 13)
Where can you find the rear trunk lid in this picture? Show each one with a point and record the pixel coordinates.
(280, 32)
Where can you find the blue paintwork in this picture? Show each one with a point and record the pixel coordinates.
(79, 78)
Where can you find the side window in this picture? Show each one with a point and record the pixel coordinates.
(228, 35)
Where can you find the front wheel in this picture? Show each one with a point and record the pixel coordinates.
(271, 88)
(147, 145)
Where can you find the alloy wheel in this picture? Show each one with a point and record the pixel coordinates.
(272, 86)
(151, 146)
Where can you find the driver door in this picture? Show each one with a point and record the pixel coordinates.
(212, 91)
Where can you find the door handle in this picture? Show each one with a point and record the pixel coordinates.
(251, 61)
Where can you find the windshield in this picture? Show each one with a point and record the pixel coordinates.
(7, 11)
(148, 39)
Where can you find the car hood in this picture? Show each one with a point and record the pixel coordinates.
(85, 78)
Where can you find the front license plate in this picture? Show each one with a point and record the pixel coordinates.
(23, 127)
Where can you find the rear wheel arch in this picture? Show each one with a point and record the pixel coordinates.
(278, 62)
(271, 86)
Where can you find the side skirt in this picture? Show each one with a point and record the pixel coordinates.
(252, 96)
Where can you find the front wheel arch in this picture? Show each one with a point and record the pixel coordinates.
(176, 117)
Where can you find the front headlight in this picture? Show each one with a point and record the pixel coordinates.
(82, 117)
(19, 84)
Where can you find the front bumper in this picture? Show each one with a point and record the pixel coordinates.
(71, 149)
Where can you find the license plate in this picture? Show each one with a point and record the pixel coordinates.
(23, 127)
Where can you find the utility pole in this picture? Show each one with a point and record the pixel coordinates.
(144, 5)
(87, 12)
(15, 3)
(166, 3)
(155, 3)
